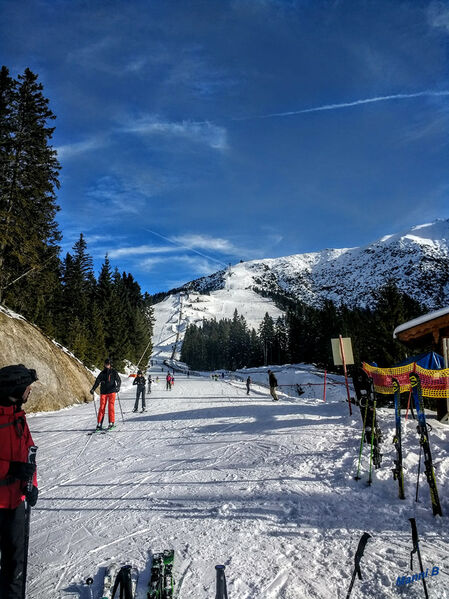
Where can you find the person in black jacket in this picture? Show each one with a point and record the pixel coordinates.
(272, 381)
(248, 383)
(140, 382)
(109, 382)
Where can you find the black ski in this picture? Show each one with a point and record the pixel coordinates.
(126, 582)
(398, 473)
(417, 550)
(424, 441)
(358, 556)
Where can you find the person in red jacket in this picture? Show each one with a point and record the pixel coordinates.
(15, 474)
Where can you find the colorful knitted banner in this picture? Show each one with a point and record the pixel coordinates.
(434, 383)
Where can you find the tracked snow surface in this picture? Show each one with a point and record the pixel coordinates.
(222, 477)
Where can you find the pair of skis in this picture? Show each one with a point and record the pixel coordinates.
(122, 579)
(371, 433)
(422, 428)
(161, 585)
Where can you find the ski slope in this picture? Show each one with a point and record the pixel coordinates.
(176, 312)
(265, 488)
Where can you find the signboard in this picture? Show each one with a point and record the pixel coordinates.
(347, 350)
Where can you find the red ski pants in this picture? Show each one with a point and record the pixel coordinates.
(109, 399)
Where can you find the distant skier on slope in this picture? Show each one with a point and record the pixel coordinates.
(168, 382)
(110, 383)
(150, 382)
(272, 381)
(248, 383)
(140, 391)
(15, 473)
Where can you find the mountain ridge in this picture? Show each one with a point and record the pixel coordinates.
(417, 259)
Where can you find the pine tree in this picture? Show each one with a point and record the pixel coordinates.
(29, 178)
(266, 334)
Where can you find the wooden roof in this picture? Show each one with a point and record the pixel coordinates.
(434, 325)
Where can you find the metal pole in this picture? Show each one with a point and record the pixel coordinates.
(95, 406)
(221, 591)
(342, 351)
(32, 460)
(324, 392)
(419, 471)
(120, 405)
(417, 550)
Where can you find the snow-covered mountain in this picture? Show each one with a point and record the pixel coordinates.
(417, 259)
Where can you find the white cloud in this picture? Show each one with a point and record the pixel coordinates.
(80, 147)
(197, 264)
(113, 196)
(141, 250)
(207, 243)
(438, 15)
(199, 132)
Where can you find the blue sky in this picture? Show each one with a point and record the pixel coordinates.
(196, 133)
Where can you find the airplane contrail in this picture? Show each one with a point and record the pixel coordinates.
(427, 93)
(187, 247)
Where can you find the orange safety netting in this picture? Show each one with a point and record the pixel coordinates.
(434, 383)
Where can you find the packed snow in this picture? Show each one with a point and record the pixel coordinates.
(220, 476)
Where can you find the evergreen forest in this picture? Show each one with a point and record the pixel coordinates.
(304, 334)
(93, 316)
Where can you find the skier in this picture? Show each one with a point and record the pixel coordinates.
(15, 473)
(140, 382)
(150, 382)
(168, 381)
(109, 382)
(188, 374)
(248, 383)
(272, 381)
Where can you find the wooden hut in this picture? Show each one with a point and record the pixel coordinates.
(430, 330)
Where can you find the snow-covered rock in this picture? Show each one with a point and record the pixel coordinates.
(63, 380)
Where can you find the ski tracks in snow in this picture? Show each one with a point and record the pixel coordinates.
(264, 487)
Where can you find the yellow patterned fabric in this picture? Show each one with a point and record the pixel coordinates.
(434, 383)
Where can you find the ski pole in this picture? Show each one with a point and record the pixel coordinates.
(419, 471)
(372, 444)
(417, 550)
(221, 591)
(89, 583)
(31, 460)
(358, 556)
(120, 405)
(408, 403)
(357, 477)
(95, 406)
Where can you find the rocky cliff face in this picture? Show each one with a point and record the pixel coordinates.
(63, 380)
